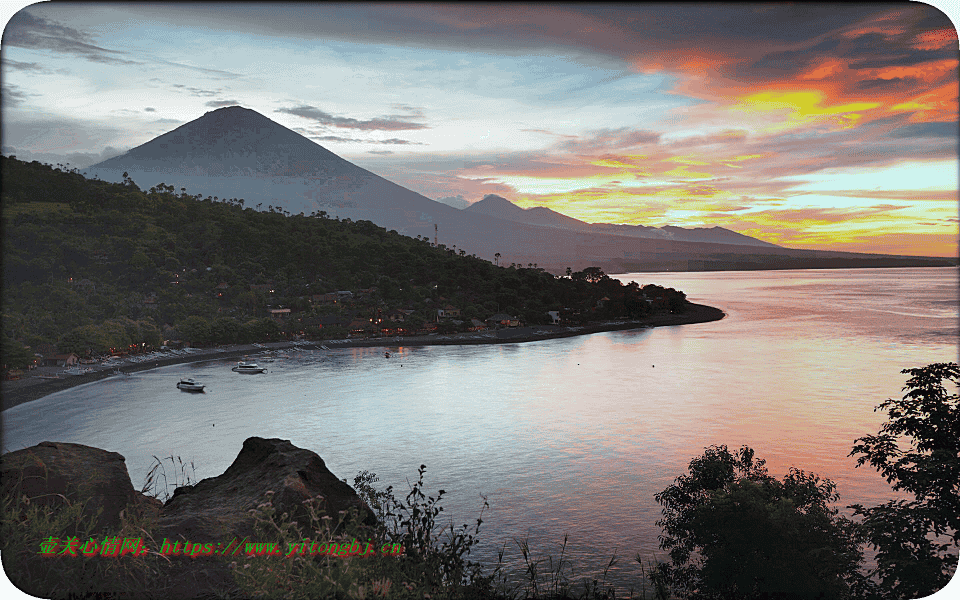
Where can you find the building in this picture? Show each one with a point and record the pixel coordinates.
(61, 360)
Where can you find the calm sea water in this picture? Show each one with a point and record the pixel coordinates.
(571, 436)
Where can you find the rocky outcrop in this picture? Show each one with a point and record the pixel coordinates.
(214, 511)
(218, 509)
(52, 473)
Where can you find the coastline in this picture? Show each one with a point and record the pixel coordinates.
(28, 389)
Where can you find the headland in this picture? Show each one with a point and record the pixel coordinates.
(35, 386)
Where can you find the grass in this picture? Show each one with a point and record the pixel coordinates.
(435, 561)
(151, 485)
(27, 522)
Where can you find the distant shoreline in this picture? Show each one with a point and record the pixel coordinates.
(28, 389)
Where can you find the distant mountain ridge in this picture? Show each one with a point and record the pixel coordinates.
(235, 152)
(500, 207)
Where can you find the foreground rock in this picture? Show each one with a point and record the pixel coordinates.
(214, 511)
(217, 509)
(52, 473)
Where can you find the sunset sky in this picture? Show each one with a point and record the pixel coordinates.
(810, 126)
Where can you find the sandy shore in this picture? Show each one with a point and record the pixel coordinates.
(47, 380)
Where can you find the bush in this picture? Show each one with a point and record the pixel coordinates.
(918, 451)
(734, 531)
(433, 562)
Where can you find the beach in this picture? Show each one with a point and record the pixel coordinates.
(43, 381)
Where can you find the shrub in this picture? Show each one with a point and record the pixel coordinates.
(733, 531)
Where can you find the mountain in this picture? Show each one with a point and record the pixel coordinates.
(236, 152)
(501, 208)
(234, 141)
(497, 206)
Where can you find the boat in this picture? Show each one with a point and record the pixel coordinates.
(189, 385)
(249, 367)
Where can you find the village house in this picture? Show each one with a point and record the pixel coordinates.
(360, 327)
(61, 360)
(503, 320)
(328, 298)
(397, 316)
(448, 312)
(279, 313)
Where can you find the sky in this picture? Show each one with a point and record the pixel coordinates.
(825, 126)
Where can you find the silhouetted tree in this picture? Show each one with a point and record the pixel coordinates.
(918, 451)
(734, 531)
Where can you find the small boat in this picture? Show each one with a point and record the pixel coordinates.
(249, 367)
(189, 385)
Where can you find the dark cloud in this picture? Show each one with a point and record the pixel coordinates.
(149, 109)
(221, 103)
(23, 66)
(28, 31)
(14, 96)
(383, 152)
(379, 124)
(198, 92)
(396, 141)
(774, 65)
(320, 136)
(943, 129)
(903, 58)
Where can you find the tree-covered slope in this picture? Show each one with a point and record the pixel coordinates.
(86, 259)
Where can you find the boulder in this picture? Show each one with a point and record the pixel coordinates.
(53, 472)
(218, 509)
(213, 511)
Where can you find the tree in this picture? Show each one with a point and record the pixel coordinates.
(14, 354)
(734, 531)
(594, 274)
(195, 330)
(918, 451)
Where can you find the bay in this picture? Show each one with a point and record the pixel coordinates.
(563, 437)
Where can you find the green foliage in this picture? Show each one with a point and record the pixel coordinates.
(81, 252)
(918, 451)
(195, 330)
(433, 561)
(734, 531)
(14, 354)
(113, 335)
(25, 523)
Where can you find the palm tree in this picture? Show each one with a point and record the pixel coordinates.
(496, 258)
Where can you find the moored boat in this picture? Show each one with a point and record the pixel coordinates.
(248, 367)
(189, 385)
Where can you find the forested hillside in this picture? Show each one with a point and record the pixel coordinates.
(99, 267)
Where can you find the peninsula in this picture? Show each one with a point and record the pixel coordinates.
(94, 270)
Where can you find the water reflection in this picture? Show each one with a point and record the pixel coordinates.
(563, 436)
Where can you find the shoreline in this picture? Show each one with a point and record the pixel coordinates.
(17, 392)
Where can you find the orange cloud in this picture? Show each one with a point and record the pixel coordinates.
(936, 39)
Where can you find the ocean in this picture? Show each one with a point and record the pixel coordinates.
(567, 437)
